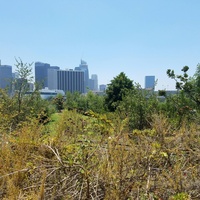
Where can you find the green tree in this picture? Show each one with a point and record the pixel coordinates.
(59, 102)
(139, 106)
(21, 85)
(20, 106)
(80, 102)
(17, 106)
(75, 101)
(116, 90)
(162, 93)
(72, 100)
(186, 103)
(95, 102)
(178, 109)
(190, 86)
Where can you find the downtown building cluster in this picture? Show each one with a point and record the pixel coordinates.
(53, 78)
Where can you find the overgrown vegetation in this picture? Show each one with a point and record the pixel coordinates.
(85, 147)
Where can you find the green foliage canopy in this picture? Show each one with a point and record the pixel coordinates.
(116, 90)
(190, 86)
(81, 102)
(20, 107)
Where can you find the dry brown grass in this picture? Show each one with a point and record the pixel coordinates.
(94, 158)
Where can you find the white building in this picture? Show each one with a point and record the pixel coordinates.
(46, 93)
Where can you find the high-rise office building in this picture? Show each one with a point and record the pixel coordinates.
(84, 67)
(102, 88)
(150, 82)
(70, 80)
(52, 77)
(91, 84)
(41, 74)
(5, 76)
(94, 77)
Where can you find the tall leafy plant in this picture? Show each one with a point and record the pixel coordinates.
(116, 90)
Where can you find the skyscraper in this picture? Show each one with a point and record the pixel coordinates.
(69, 80)
(52, 77)
(41, 73)
(91, 84)
(5, 76)
(95, 78)
(150, 82)
(84, 67)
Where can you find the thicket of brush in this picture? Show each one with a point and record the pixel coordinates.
(96, 157)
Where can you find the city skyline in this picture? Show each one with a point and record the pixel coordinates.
(47, 77)
(50, 78)
(137, 38)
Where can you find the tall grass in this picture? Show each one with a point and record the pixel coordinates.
(95, 157)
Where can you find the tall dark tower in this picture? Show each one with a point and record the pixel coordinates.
(5, 76)
(41, 73)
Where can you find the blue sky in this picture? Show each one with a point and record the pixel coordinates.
(140, 37)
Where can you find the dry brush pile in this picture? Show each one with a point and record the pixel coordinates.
(96, 157)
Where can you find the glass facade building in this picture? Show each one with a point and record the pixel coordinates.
(150, 82)
(41, 74)
(5, 76)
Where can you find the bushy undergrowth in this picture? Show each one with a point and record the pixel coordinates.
(94, 156)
